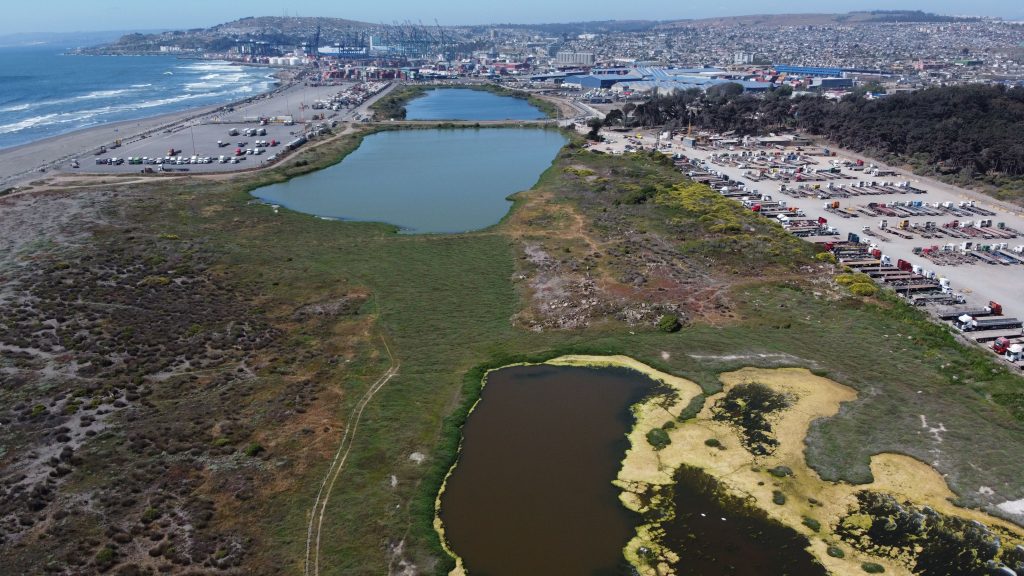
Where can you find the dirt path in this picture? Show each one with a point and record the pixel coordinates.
(316, 517)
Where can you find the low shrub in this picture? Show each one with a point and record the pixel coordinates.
(669, 323)
(658, 438)
(864, 289)
(812, 524)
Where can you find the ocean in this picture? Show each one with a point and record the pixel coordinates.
(45, 93)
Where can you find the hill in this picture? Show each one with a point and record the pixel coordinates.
(851, 18)
(271, 29)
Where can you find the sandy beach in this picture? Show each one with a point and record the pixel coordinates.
(193, 131)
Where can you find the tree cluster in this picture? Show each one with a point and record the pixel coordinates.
(966, 130)
(969, 131)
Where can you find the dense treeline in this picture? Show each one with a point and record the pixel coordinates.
(969, 132)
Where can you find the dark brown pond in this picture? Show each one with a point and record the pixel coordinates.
(532, 493)
(745, 543)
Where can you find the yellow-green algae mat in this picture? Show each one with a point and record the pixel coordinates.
(646, 470)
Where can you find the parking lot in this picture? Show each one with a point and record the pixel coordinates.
(974, 242)
(244, 136)
(207, 147)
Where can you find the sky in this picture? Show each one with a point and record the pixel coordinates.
(93, 15)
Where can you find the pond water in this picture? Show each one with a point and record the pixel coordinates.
(466, 104)
(425, 181)
(716, 535)
(532, 492)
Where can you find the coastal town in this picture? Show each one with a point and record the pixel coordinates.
(607, 297)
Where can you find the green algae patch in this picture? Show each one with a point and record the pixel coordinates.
(777, 481)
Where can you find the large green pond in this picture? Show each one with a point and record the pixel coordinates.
(425, 181)
(466, 104)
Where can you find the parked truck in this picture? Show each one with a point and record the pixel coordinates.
(967, 323)
(1001, 345)
(993, 309)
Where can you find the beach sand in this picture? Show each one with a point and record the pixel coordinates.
(193, 131)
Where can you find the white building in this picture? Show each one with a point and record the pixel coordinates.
(741, 58)
(575, 58)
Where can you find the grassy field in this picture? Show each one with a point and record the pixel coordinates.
(447, 305)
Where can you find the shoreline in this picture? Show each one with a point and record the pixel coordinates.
(576, 360)
(23, 163)
(37, 164)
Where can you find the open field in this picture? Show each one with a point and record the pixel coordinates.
(223, 405)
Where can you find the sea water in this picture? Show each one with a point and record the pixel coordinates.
(45, 93)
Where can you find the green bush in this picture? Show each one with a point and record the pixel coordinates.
(150, 515)
(658, 438)
(156, 281)
(835, 552)
(638, 194)
(872, 568)
(778, 497)
(864, 289)
(854, 278)
(253, 449)
(781, 471)
(669, 323)
(105, 558)
(713, 443)
(692, 409)
(812, 524)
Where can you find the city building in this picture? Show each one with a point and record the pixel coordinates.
(564, 58)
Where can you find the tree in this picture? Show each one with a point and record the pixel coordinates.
(614, 117)
(726, 90)
(968, 133)
(595, 127)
